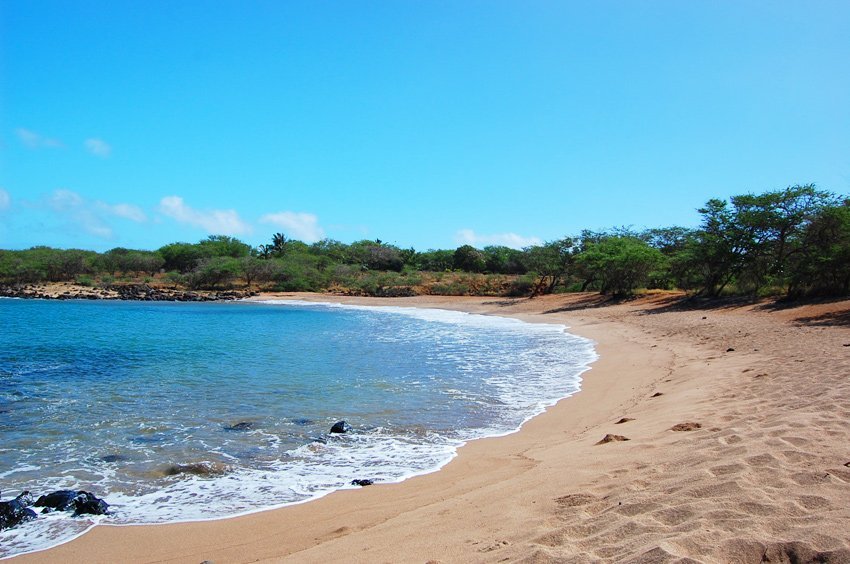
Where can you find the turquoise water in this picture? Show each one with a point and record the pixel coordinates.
(180, 411)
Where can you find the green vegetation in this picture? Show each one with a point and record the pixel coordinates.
(794, 242)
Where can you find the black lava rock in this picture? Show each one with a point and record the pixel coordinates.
(16, 511)
(61, 500)
(241, 426)
(87, 504)
(362, 482)
(81, 502)
(341, 427)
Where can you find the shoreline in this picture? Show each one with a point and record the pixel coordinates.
(536, 493)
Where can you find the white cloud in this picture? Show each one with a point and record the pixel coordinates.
(512, 240)
(89, 216)
(35, 140)
(98, 147)
(73, 207)
(65, 200)
(126, 211)
(5, 200)
(214, 222)
(302, 226)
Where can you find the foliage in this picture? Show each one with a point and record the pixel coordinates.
(469, 259)
(551, 262)
(620, 264)
(213, 272)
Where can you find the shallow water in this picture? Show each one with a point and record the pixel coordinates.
(180, 411)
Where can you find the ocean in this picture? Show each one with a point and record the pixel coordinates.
(190, 411)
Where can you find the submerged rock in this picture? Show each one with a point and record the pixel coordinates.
(113, 458)
(16, 511)
(340, 427)
(196, 469)
(302, 421)
(241, 426)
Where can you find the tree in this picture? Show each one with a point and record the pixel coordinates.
(181, 257)
(823, 264)
(469, 259)
(214, 271)
(750, 241)
(435, 260)
(551, 262)
(277, 248)
(621, 264)
(504, 260)
(223, 246)
(254, 269)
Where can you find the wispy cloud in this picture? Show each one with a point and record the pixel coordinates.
(98, 147)
(512, 240)
(5, 200)
(34, 140)
(214, 222)
(74, 209)
(91, 217)
(126, 211)
(302, 226)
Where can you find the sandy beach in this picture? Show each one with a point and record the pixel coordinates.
(727, 441)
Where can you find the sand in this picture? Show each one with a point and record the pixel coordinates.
(727, 441)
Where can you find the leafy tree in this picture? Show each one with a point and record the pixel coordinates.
(254, 269)
(336, 251)
(435, 260)
(223, 246)
(300, 272)
(551, 262)
(823, 264)
(181, 257)
(621, 264)
(504, 260)
(212, 272)
(375, 255)
(469, 259)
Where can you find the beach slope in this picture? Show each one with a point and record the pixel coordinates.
(717, 435)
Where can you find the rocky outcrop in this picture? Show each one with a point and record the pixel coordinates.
(134, 292)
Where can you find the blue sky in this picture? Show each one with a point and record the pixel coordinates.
(425, 124)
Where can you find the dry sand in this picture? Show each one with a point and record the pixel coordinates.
(738, 450)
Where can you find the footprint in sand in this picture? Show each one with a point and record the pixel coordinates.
(687, 426)
(609, 438)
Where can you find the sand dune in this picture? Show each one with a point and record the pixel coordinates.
(738, 450)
